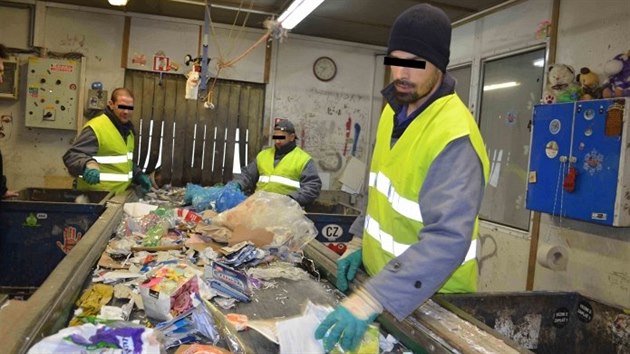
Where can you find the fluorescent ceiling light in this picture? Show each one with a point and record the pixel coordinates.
(501, 85)
(539, 63)
(118, 2)
(298, 10)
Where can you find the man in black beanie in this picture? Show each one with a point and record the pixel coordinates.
(427, 177)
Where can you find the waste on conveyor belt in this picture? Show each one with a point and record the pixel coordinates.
(177, 258)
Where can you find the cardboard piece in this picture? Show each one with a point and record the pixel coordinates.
(353, 175)
(200, 349)
(215, 232)
(199, 247)
(259, 237)
(106, 261)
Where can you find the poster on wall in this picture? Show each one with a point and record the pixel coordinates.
(161, 63)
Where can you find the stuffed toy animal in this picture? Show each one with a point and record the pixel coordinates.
(192, 83)
(589, 83)
(618, 71)
(561, 85)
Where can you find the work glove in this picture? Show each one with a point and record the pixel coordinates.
(349, 321)
(91, 174)
(348, 264)
(145, 183)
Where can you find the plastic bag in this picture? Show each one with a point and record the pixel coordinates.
(229, 197)
(114, 337)
(220, 198)
(274, 212)
(201, 198)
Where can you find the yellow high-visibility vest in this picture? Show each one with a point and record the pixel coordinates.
(114, 157)
(283, 178)
(397, 173)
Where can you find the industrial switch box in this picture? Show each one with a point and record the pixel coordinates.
(579, 164)
(52, 96)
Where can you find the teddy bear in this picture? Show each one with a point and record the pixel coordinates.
(561, 85)
(618, 71)
(589, 83)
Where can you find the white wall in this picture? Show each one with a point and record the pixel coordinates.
(32, 156)
(504, 252)
(149, 38)
(320, 110)
(589, 33)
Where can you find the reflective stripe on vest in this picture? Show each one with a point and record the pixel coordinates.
(112, 159)
(279, 179)
(388, 244)
(407, 208)
(114, 177)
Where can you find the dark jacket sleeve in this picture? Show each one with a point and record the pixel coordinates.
(248, 178)
(3, 180)
(310, 185)
(83, 149)
(449, 199)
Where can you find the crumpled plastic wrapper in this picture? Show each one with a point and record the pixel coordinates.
(278, 270)
(273, 212)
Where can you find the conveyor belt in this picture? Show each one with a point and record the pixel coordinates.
(430, 329)
(286, 300)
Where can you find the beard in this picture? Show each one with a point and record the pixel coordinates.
(416, 93)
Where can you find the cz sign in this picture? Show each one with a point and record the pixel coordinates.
(332, 232)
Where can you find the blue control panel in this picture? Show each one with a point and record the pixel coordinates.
(579, 161)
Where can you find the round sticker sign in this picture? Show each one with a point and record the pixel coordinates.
(551, 149)
(332, 231)
(560, 317)
(555, 126)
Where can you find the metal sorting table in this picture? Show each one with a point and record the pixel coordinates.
(445, 324)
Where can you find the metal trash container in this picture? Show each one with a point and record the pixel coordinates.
(547, 322)
(332, 222)
(37, 230)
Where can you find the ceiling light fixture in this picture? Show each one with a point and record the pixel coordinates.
(298, 10)
(501, 85)
(118, 2)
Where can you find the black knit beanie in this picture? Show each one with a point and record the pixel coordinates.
(425, 31)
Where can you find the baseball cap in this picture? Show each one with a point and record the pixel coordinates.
(285, 126)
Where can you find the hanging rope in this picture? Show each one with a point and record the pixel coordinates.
(239, 34)
(274, 30)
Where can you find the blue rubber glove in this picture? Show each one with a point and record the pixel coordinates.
(348, 264)
(91, 175)
(349, 321)
(145, 183)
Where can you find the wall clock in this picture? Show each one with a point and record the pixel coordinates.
(324, 68)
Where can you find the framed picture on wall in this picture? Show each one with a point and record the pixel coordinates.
(161, 63)
(9, 86)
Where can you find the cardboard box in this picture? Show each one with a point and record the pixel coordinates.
(167, 292)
